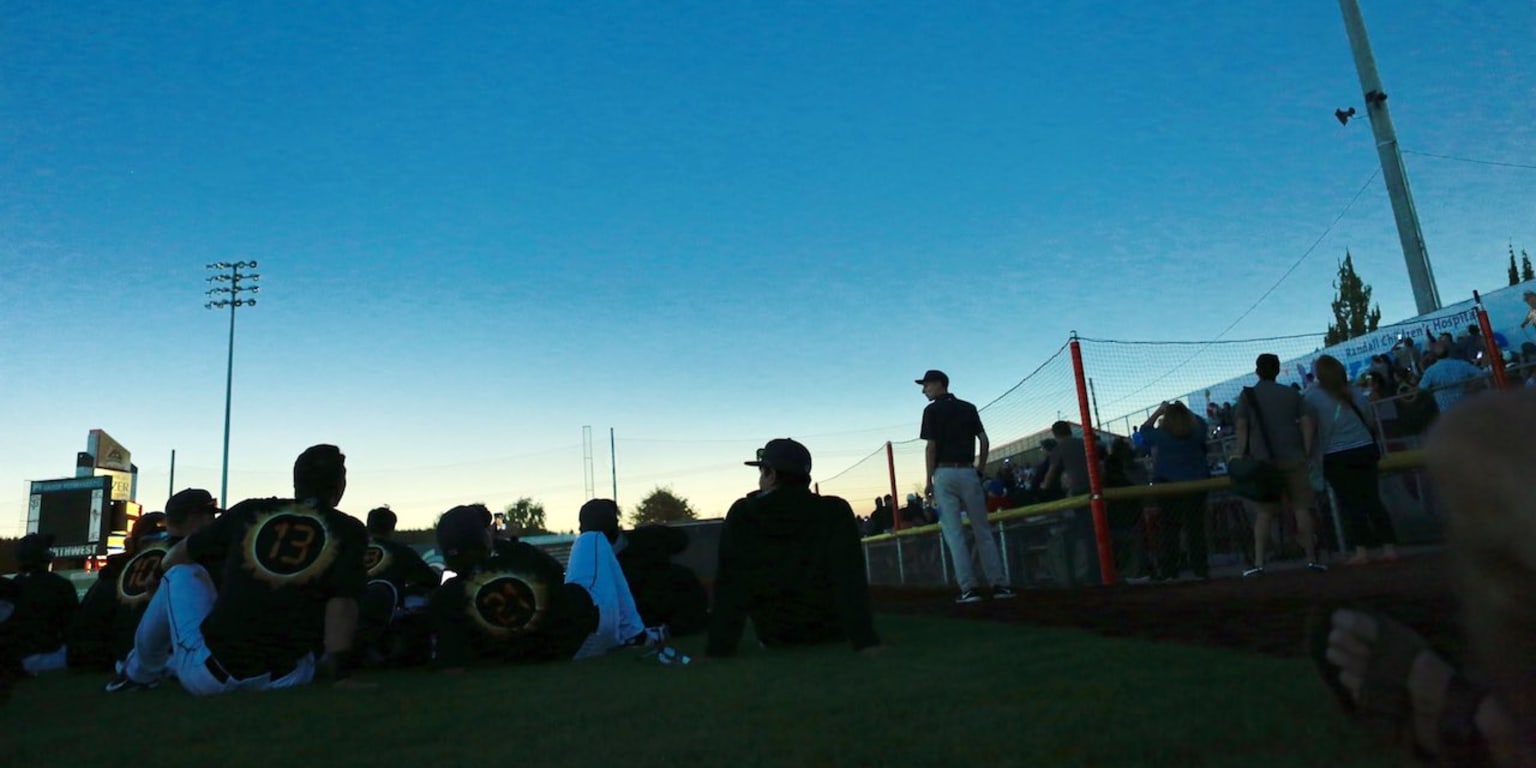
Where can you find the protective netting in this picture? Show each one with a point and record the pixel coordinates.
(1127, 380)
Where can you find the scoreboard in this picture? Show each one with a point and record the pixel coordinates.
(78, 511)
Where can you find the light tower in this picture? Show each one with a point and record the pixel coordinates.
(228, 284)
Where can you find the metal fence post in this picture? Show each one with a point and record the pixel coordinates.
(901, 564)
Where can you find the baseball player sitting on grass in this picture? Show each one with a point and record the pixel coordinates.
(293, 570)
(102, 631)
(510, 602)
(393, 628)
(791, 561)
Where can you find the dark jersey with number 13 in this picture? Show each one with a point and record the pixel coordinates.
(283, 560)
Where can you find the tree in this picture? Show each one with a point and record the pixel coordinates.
(1514, 274)
(1353, 314)
(1526, 273)
(525, 517)
(661, 506)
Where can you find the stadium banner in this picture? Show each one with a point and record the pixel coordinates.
(1506, 308)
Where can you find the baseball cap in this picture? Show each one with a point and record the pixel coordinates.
(462, 529)
(34, 549)
(783, 454)
(599, 515)
(190, 501)
(150, 524)
(933, 375)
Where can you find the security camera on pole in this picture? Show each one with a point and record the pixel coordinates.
(228, 283)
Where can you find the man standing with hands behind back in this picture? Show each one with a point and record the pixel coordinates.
(953, 428)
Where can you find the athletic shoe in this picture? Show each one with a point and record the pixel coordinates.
(122, 682)
(650, 638)
(1004, 593)
(1318, 567)
(968, 596)
(670, 656)
(1256, 571)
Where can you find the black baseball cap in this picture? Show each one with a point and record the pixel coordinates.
(933, 375)
(190, 501)
(34, 549)
(599, 515)
(784, 455)
(462, 529)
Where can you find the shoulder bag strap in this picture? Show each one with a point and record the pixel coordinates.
(1350, 401)
(1253, 402)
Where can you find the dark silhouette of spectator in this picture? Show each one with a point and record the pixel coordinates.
(1121, 470)
(1177, 439)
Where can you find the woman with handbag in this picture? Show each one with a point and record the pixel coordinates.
(1347, 440)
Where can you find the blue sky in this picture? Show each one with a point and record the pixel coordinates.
(703, 225)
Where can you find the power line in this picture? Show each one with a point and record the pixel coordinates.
(1265, 295)
(1470, 160)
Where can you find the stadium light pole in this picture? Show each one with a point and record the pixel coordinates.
(227, 283)
(1426, 295)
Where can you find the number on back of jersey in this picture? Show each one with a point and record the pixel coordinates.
(288, 546)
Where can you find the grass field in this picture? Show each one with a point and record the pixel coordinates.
(947, 693)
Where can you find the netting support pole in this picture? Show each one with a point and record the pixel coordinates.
(1490, 345)
(1107, 574)
(1002, 549)
(890, 465)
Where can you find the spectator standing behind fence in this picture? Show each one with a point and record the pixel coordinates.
(1069, 461)
(1176, 438)
(1122, 470)
(1446, 378)
(1283, 437)
(1346, 438)
(953, 430)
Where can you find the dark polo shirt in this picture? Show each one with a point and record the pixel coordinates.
(953, 424)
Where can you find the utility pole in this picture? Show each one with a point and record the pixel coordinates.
(586, 461)
(228, 284)
(1425, 294)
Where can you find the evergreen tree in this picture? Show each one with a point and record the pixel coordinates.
(1514, 274)
(1526, 273)
(1353, 314)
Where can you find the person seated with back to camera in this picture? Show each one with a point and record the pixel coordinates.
(666, 593)
(292, 573)
(511, 602)
(44, 605)
(393, 629)
(102, 630)
(791, 561)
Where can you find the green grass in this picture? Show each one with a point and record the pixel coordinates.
(947, 693)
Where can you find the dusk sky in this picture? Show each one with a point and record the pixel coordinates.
(704, 225)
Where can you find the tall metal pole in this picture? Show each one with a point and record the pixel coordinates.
(172, 490)
(1425, 294)
(233, 290)
(613, 464)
